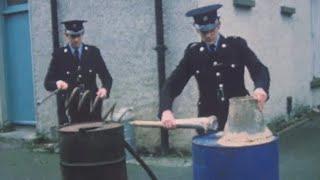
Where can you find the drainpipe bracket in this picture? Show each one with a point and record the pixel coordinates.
(161, 48)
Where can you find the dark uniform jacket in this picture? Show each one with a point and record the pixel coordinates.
(64, 66)
(219, 75)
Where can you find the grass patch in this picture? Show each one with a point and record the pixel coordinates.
(172, 152)
(41, 139)
(282, 122)
(7, 127)
(41, 144)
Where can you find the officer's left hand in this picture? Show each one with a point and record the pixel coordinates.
(102, 93)
(260, 95)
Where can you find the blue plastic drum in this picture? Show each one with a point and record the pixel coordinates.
(212, 161)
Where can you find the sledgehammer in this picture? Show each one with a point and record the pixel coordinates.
(205, 123)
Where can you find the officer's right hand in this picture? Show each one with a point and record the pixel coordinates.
(168, 119)
(62, 85)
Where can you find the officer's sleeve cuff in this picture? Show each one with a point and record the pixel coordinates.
(50, 86)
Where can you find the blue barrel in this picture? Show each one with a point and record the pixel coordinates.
(212, 161)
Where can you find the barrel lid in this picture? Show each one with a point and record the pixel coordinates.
(212, 140)
(207, 139)
(89, 127)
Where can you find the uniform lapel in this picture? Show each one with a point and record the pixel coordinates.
(204, 48)
(84, 54)
(221, 51)
(69, 55)
(221, 43)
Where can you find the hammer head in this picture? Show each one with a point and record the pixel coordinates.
(214, 123)
(208, 123)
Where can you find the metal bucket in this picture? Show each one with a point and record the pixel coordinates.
(92, 151)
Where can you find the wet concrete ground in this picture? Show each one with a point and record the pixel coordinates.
(300, 152)
(299, 160)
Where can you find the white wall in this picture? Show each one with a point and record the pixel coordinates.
(315, 5)
(125, 33)
(42, 47)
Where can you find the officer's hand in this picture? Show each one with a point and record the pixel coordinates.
(62, 85)
(168, 119)
(260, 95)
(102, 93)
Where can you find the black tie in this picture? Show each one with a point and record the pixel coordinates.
(76, 54)
(212, 47)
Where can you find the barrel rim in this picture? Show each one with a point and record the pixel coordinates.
(90, 164)
(219, 146)
(96, 125)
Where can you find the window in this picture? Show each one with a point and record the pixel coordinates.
(16, 2)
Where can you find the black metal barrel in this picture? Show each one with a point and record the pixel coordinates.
(92, 151)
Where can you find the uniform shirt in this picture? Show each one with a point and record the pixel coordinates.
(215, 43)
(80, 49)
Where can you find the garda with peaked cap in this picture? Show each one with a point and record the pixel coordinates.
(205, 18)
(74, 27)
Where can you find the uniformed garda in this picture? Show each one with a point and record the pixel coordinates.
(77, 72)
(219, 73)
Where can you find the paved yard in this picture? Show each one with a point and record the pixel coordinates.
(299, 160)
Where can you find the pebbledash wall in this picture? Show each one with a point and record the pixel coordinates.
(124, 30)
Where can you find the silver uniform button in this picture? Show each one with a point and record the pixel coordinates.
(221, 85)
(218, 74)
(67, 72)
(86, 48)
(223, 45)
(197, 71)
(233, 65)
(90, 71)
(65, 50)
(80, 76)
(223, 99)
(199, 103)
(215, 63)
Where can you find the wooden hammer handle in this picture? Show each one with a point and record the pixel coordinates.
(194, 123)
